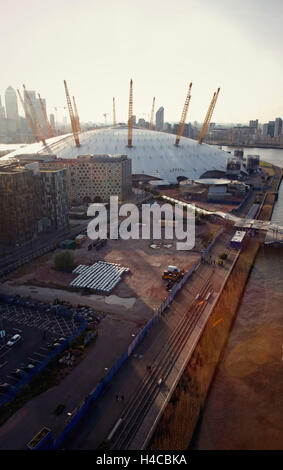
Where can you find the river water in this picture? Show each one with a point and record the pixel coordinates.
(244, 408)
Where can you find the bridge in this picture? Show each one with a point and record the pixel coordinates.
(274, 232)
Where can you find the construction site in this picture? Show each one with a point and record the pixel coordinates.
(141, 287)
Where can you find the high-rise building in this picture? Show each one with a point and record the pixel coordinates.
(31, 201)
(52, 122)
(265, 129)
(159, 119)
(2, 110)
(278, 127)
(254, 124)
(11, 103)
(134, 120)
(268, 129)
(37, 107)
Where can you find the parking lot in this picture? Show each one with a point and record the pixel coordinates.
(39, 331)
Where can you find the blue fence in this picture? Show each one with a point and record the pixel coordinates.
(80, 413)
(60, 311)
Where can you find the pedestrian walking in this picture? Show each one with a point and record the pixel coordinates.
(117, 397)
(122, 397)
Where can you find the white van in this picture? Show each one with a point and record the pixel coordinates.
(15, 339)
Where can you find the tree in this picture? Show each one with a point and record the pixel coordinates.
(64, 261)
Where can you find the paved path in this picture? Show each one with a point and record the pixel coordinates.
(39, 412)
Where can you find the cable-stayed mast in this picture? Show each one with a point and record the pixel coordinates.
(152, 114)
(28, 117)
(183, 117)
(208, 116)
(130, 120)
(114, 113)
(77, 119)
(34, 116)
(72, 117)
(48, 126)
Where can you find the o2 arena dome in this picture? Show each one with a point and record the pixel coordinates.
(153, 153)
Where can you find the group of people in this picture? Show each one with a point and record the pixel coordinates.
(119, 397)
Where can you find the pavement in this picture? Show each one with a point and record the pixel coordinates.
(39, 412)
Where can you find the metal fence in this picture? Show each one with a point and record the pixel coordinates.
(60, 311)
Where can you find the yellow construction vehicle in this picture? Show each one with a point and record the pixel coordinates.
(173, 273)
(173, 277)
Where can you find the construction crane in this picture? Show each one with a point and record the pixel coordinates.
(48, 126)
(130, 120)
(152, 114)
(28, 117)
(208, 116)
(72, 117)
(34, 116)
(76, 116)
(114, 113)
(184, 115)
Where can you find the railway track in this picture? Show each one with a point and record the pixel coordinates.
(144, 395)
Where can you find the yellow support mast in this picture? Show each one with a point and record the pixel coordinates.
(152, 114)
(184, 115)
(28, 117)
(34, 116)
(77, 116)
(114, 113)
(48, 126)
(208, 116)
(72, 117)
(130, 120)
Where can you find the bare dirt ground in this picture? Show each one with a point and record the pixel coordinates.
(140, 292)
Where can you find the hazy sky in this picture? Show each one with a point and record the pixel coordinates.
(97, 46)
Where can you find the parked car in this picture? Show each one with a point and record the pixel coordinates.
(59, 340)
(15, 339)
(28, 367)
(4, 387)
(18, 373)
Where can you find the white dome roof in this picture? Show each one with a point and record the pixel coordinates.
(153, 153)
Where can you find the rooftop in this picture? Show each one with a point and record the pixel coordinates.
(153, 153)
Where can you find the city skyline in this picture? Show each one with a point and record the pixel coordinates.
(235, 47)
(65, 115)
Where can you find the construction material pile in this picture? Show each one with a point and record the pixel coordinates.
(101, 277)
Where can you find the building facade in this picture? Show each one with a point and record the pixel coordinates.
(37, 107)
(31, 202)
(94, 178)
(54, 200)
(2, 110)
(159, 119)
(278, 127)
(11, 104)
